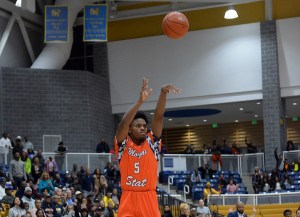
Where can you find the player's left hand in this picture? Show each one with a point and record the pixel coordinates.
(170, 88)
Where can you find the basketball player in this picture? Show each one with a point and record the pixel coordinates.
(137, 150)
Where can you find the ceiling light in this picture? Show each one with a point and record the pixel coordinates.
(170, 119)
(231, 13)
(241, 109)
(294, 103)
(151, 113)
(204, 120)
(236, 121)
(258, 103)
(187, 125)
(256, 116)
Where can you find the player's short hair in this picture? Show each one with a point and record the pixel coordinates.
(141, 115)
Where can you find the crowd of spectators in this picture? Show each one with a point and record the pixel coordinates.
(35, 186)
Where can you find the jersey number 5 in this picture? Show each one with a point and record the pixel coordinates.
(136, 167)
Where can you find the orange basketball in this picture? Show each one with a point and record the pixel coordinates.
(175, 25)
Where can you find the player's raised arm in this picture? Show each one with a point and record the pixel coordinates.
(157, 122)
(123, 127)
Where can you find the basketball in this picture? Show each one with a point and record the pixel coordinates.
(175, 25)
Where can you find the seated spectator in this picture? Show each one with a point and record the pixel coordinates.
(110, 174)
(185, 210)
(21, 191)
(164, 149)
(208, 190)
(58, 207)
(231, 187)
(45, 183)
(76, 185)
(193, 212)
(195, 177)
(38, 205)
(18, 208)
(222, 181)
(27, 198)
(48, 206)
(167, 211)
(57, 182)
(4, 208)
(30, 153)
(116, 196)
(295, 165)
(202, 210)
(18, 146)
(256, 180)
(276, 184)
(109, 210)
(189, 149)
(40, 156)
(70, 200)
(39, 213)
(84, 212)
(27, 163)
(107, 198)
(51, 167)
(286, 181)
(8, 198)
(70, 211)
(206, 172)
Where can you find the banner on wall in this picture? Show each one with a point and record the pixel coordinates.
(56, 24)
(95, 23)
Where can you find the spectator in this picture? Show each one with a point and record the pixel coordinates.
(27, 163)
(240, 211)
(110, 174)
(222, 181)
(279, 161)
(250, 148)
(18, 147)
(164, 149)
(76, 185)
(216, 156)
(51, 167)
(107, 198)
(27, 198)
(256, 180)
(206, 172)
(40, 156)
(48, 206)
(290, 146)
(17, 171)
(8, 198)
(78, 201)
(189, 149)
(40, 213)
(96, 177)
(70, 212)
(21, 190)
(196, 177)
(167, 211)
(69, 200)
(36, 169)
(2, 188)
(86, 182)
(18, 208)
(27, 144)
(30, 153)
(206, 150)
(109, 210)
(208, 190)
(57, 182)
(193, 212)
(102, 147)
(235, 149)
(60, 157)
(295, 165)
(38, 205)
(185, 210)
(45, 183)
(202, 210)
(84, 212)
(5, 143)
(58, 207)
(231, 187)
(116, 196)
(287, 213)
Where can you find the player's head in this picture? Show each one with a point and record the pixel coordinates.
(138, 127)
(240, 207)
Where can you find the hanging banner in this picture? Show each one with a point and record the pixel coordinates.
(56, 24)
(95, 23)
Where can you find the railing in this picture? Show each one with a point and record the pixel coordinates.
(291, 156)
(91, 160)
(254, 199)
(243, 163)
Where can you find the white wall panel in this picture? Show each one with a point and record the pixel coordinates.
(211, 66)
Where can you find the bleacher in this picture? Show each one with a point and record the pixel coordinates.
(179, 180)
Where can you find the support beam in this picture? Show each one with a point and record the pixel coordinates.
(26, 38)
(268, 10)
(7, 33)
(41, 6)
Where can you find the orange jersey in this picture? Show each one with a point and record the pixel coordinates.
(138, 164)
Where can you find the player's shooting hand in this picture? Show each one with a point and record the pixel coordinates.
(170, 88)
(145, 91)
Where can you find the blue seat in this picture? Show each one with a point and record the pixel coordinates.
(197, 193)
(180, 185)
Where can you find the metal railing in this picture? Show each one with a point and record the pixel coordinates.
(243, 163)
(254, 199)
(291, 156)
